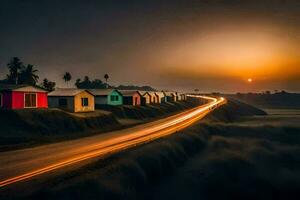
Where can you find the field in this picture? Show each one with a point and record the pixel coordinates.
(256, 157)
(275, 117)
(229, 155)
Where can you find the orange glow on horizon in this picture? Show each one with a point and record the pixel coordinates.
(231, 54)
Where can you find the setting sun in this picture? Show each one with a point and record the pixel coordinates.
(249, 80)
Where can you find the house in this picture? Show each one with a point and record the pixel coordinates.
(170, 96)
(178, 96)
(107, 97)
(154, 97)
(161, 97)
(147, 97)
(131, 97)
(22, 96)
(183, 96)
(71, 99)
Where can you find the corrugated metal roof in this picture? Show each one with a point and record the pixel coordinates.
(143, 93)
(169, 93)
(66, 92)
(129, 92)
(102, 92)
(20, 88)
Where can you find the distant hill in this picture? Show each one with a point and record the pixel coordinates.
(276, 100)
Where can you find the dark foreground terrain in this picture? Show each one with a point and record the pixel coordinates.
(232, 154)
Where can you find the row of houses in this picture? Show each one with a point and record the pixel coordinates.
(79, 100)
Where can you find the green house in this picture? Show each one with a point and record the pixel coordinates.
(107, 97)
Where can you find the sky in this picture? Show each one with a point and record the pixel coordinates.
(210, 45)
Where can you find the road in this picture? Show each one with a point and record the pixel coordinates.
(20, 165)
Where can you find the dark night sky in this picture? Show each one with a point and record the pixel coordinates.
(211, 45)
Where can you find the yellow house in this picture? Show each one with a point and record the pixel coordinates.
(73, 100)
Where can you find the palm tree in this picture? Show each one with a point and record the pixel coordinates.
(48, 85)
(78, 83)
(67, 77)
(28, 75)
(14, 66)
(106, 77)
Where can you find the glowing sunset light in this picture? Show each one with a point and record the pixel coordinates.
(210, 45)
(249, 80)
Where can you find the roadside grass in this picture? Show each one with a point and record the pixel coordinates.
(21, 128)
(148, 111)
(30, 127)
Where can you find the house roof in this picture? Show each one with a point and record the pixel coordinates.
(160, 94)
(152, 93)
(20, 88)
(67, 92)
(129, 92)
(169, 93)
(103, 92)
(145, 93)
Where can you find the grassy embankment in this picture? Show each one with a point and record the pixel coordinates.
(211, 160)
(21, 128)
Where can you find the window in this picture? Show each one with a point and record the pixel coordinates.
(62, 102)
(84, 101)
(30, 100)
(1, 100)
(114, 98)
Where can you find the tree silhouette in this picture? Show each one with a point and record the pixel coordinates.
(135, 87)
(48, 85)
(14, 66)
(67, 77)
(90, 84)
(28, 75)
(87, 79)
(78, 82)
(106, 78)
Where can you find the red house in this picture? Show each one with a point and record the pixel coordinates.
(21, 96)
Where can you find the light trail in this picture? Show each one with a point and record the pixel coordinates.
(99, 148)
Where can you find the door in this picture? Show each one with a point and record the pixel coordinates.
(84, 102)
